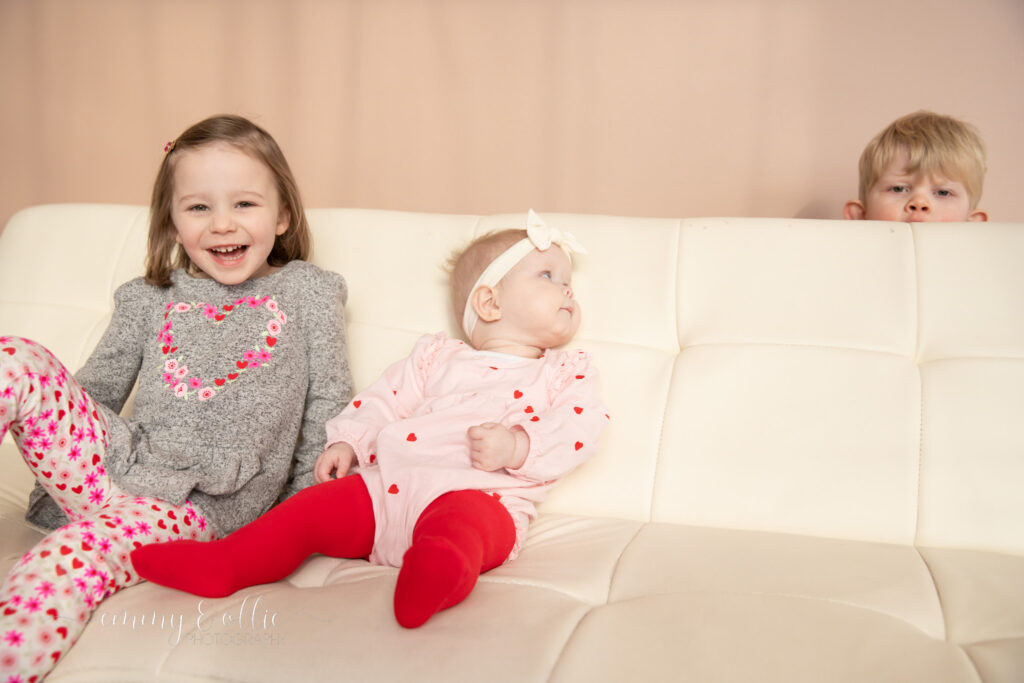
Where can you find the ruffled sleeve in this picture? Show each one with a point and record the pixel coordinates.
(393, 397)
(566, 434)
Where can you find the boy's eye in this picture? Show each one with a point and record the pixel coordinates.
(547, 274)
(899, 188)
(944, 193)
(245, 204)
(197, 207)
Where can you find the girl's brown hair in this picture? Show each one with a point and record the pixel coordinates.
(164, 254)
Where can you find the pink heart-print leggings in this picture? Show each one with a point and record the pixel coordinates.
(47, 598)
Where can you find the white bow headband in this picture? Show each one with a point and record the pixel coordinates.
(538, 236)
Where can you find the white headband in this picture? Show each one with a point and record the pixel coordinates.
(538, 236)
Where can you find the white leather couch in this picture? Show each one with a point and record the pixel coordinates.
(814, 469)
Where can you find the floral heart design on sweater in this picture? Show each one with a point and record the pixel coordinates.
(176, 372)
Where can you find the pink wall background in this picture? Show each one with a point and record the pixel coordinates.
(633, 107)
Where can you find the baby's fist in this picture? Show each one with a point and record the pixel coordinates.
(493, 447)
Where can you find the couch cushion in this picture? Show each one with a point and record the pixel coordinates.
(595, 599)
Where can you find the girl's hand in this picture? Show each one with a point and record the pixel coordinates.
(336, 459)
(492, 447)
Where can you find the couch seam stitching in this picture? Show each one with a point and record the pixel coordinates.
(668, 393)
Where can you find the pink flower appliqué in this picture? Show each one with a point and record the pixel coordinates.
(175, 371)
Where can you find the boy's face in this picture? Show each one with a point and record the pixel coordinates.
(899, 195)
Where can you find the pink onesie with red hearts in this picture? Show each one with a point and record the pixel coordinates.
(408, 430)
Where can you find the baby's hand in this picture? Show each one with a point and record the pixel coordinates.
(336, 459)
(492, 447)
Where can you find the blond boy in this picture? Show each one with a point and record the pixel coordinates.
(922, 167)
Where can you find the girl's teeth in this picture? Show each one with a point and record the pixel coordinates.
(229, 252)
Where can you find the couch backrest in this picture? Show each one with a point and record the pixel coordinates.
(853, 379)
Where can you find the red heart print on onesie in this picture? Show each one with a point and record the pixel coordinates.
(411, 437)
(517, 394)
(578, 410)
(579, 445)
(356, 403)
(393, 488)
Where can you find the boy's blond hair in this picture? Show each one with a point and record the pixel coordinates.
(933, 143)
(466, 265)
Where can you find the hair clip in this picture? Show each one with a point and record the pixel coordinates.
(169, 147)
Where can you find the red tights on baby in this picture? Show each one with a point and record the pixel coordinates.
(459, 536)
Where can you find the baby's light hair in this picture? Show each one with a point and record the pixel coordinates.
(466, 265)
(934, 143)
(164, 254)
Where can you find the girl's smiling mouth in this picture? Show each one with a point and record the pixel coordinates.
(228, 253)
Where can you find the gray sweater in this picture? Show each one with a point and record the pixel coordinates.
(233, 381)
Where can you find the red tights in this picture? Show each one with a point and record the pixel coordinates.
(458, 537)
